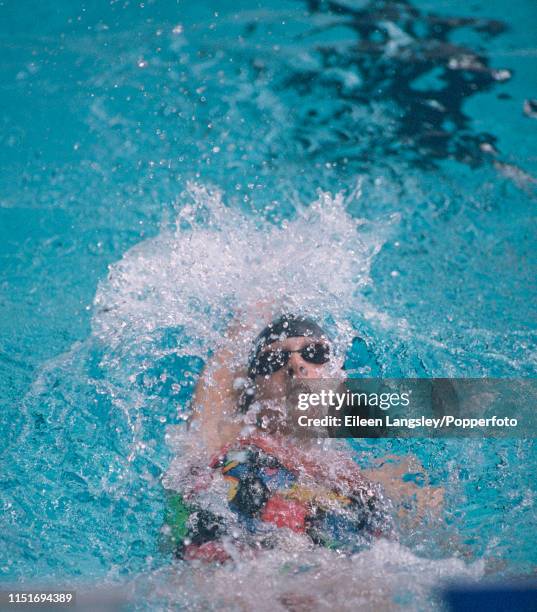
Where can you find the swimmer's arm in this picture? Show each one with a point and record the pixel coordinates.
(215, 402)
(215, 398)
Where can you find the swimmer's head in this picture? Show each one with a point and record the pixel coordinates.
(286, 353)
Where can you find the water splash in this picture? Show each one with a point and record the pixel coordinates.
(387, 577)
(212, 260)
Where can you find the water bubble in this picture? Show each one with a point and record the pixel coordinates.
(501, 75)
(530, 108)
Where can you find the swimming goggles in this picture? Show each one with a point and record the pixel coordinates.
(271, 361)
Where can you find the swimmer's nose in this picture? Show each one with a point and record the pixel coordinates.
(300, 371)
(296, 367)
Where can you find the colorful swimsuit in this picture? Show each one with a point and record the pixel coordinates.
(265, 492)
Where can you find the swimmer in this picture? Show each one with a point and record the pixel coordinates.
(250, 452)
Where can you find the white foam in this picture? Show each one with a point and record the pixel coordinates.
(386, 577)
(214, 259)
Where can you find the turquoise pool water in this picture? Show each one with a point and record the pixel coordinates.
(121, 122)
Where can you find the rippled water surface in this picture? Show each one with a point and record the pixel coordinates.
(164, 162)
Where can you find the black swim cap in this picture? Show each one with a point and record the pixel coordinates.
(286, 326)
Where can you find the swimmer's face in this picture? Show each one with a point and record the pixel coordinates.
(282, 382)
(278, 392)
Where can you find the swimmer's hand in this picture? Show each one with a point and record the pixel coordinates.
(415, 499)
(253, 317)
